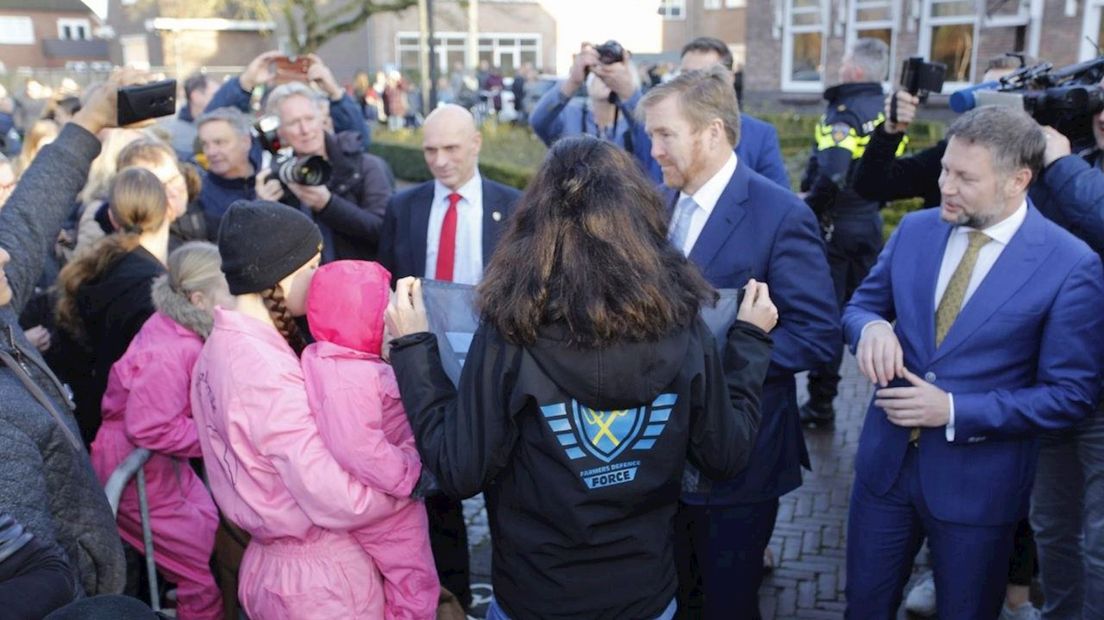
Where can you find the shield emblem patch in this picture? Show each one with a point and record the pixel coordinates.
(606, 434)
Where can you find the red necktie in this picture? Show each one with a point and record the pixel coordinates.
(446, 246)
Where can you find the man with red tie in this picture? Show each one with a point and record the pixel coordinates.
(447, 229)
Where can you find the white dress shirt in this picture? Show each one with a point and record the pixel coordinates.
(467, 267)
(706, 198)
(999, 234)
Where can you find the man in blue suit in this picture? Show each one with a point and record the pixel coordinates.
(735, 225)
(758, 146)
(447, 229)
(997, 338)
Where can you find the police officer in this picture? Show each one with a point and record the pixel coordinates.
(851, 225)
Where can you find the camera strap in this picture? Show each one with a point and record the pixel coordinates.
(893, 109)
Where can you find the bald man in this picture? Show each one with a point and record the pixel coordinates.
(447, 229)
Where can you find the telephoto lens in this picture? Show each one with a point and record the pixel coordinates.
(307, 170)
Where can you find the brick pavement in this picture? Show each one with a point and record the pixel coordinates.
(809, 539)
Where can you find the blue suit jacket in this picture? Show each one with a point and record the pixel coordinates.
(758, 148)
(403, 237)
(759, 230)
(1023, 356)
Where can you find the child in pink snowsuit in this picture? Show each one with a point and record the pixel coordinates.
(147, 405)
(344, 373)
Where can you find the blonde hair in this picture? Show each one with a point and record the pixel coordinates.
(703, 96)
(138, 205)
(41, 133)
(148, 150)
(195, 266)
(104, 166)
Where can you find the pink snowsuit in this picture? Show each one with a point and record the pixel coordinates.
(147, 405)
(272, 476)
(355, 400)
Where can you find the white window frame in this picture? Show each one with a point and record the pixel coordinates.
(711, 5)
(1090, 29)
(928, 22)
(1021, 18)
(735, 4)
(73, 23)
(854, 26)
(444, 42)
(16, 30)
(788, 32)
(666, 6)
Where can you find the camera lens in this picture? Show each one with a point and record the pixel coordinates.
(309, 170)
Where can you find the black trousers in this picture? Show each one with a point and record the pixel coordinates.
(719, 556)
(852, 251)
(448, 537)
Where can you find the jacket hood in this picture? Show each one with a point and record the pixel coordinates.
(619, 376)
(179, 309)
(346, 302)
(135, 268)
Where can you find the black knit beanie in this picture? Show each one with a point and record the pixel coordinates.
(262, 242)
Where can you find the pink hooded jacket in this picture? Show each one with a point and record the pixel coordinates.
(355, 399)
(272, 476)
(344, 373)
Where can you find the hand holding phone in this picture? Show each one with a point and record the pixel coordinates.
(145, 101)
(291, 69)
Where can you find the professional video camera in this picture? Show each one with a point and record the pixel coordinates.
(1066, 98)
(286, 166)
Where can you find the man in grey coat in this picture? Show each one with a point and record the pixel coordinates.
(46, 482)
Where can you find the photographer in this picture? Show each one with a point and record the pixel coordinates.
(349, 207)
(608, 83)
(49, 486)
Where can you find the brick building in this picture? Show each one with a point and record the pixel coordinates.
(48, 34)
(684, 20)
(795, 46)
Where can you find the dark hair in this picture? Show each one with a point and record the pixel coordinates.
(195, 81)
(70, 105)
(588, 247)
(710, 44)
(274, 302)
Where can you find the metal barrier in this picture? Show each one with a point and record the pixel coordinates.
(129, 468)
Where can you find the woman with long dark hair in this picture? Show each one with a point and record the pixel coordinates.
(589, 386)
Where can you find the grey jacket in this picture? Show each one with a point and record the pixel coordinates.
(47, 482)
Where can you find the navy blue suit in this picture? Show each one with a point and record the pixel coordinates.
(403, 237)
(1023, 356)
(758, 149)
(760, 230)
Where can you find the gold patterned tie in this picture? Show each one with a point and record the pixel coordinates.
(951, 303)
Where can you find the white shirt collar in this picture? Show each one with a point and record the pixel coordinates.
(1002, 231)
(710, 192)
(471, 192)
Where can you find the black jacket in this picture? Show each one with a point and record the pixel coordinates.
(360, 186)
(852, 113)
(113, 307)
(581, 501)
(882, 176)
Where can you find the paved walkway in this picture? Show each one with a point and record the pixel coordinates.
(810, 535)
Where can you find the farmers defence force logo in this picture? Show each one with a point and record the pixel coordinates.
(606, 435)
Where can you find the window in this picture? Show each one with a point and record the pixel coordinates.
(711, 4)
(875, 19)
(948, 34)
(673, 9)
(805, 22)
(135, 51)
(504, 50)
(72, 29)
(16, 30)
(735, 4)
(1092, 30)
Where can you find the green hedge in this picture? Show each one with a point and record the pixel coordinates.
(511, 155)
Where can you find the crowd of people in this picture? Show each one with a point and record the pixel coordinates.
(237, 289)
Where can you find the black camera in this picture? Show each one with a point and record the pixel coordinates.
(301, 170)
(921, 78)
(1066, 99)
(286, 166)
(145, 101)
(610, 52)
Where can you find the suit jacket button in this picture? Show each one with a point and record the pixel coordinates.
(929, 377)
